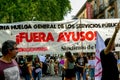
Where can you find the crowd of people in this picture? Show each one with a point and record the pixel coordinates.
(67, 66)
(31, 68)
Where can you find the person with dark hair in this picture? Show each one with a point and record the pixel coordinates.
(8, 66)
(108, 60)
(81, 61)
(37, 68)
(29, 68)
(69, 71)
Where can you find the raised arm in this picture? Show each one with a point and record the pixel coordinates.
(112, 40)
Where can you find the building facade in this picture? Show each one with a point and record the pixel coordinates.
(99, 9)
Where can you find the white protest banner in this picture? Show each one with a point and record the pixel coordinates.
(57, 37)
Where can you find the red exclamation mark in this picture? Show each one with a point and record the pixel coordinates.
(95, 34)
(17, 39)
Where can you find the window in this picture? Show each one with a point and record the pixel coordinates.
(111, 13)
(95, 8)
(101, 2)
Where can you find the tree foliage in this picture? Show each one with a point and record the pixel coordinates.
(25, 10)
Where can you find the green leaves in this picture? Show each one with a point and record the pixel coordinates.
(25, 10)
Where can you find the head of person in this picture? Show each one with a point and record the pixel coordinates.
(112, 46)
(9, 48)
(29, 58)
(81, 54)
(69, 56)
(37, 59)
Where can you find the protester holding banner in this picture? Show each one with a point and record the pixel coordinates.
(8, 66)
(108, 60)
(69, 71)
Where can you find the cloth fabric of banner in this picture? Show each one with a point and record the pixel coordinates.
(57, 37)
(98, 67)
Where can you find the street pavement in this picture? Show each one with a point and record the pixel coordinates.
(51, 78)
